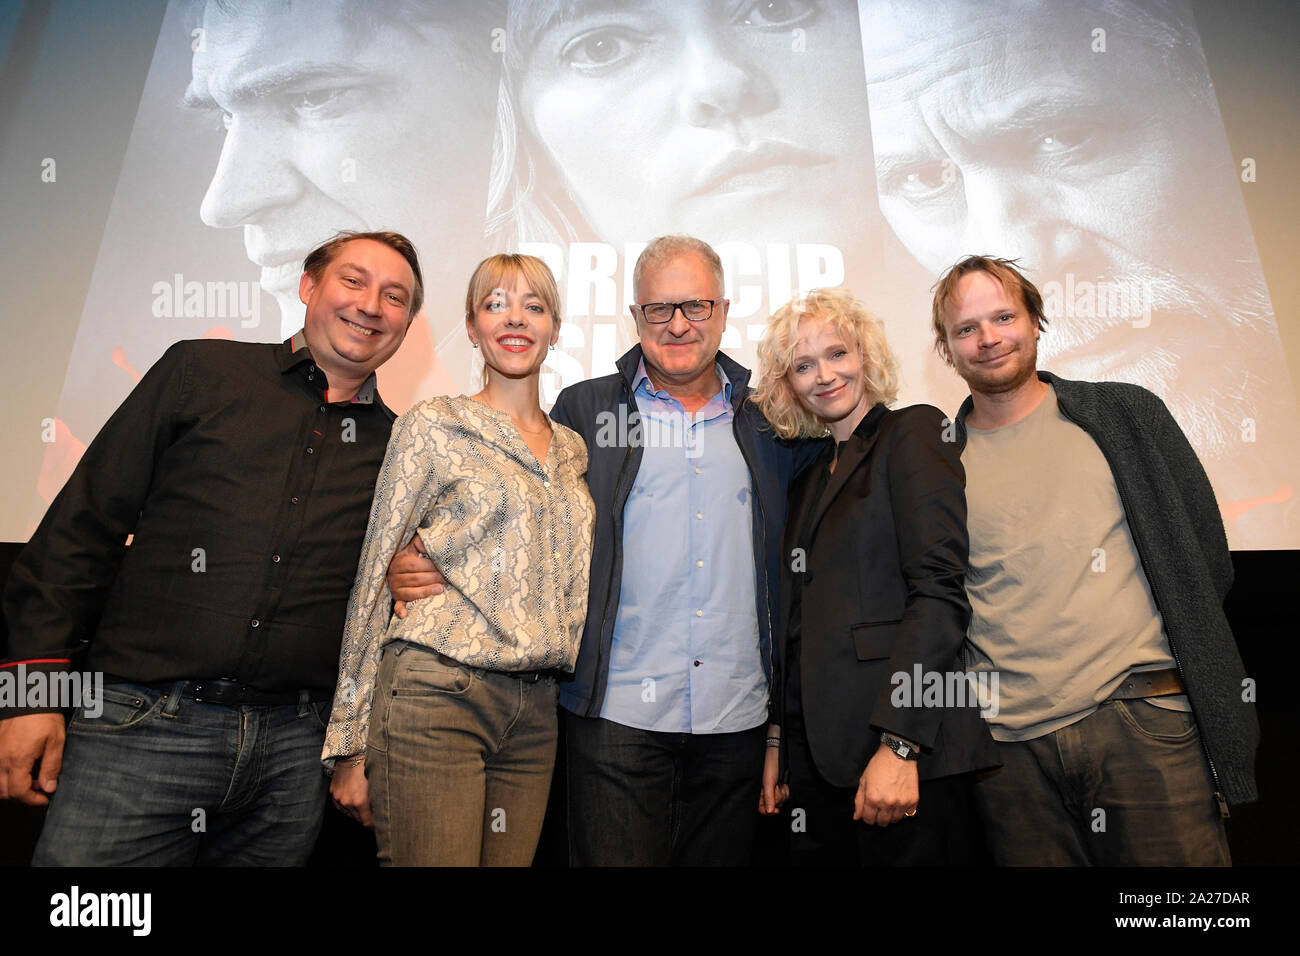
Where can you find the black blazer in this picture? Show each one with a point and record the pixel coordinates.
(885, 549)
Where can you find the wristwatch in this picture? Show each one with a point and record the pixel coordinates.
(907, 751)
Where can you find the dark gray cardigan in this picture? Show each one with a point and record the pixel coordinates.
(1179, 537)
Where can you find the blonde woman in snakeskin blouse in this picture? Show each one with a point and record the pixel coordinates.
(444, 722)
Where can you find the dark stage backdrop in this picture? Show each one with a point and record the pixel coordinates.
(1264, 833)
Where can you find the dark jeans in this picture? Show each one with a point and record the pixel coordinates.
(1126, 786)
(645, 798)
(160, 781)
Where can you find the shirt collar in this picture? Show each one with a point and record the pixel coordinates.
(296, 354)
(642, 376)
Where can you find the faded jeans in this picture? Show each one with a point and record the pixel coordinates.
(157, 780)
(459, 761)
(1128, 785)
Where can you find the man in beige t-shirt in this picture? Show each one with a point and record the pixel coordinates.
(1098, 567)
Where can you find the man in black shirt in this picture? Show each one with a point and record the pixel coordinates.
(244, 473)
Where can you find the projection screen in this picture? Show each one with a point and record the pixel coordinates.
(813, 142)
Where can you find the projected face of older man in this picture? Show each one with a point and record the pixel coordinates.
(343, 116)
(706, 117)
(1003, 128)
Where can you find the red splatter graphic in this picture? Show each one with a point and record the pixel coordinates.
(1233, 510)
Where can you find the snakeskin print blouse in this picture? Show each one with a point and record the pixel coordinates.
(511, 536)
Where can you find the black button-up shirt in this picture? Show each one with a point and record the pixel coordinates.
(248, 496)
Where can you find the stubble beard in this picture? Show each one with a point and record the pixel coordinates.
(1026, 369)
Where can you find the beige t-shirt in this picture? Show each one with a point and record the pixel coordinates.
(1062, 610)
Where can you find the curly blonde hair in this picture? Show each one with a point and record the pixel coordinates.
(776, 351)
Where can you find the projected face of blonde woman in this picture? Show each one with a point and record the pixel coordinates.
(1000, 128)
(705, 117)
(341, 116)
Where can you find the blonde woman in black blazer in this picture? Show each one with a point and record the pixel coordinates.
(873, 605)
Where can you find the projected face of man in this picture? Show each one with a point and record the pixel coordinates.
(339, 116)
(703, 116)
(998, 129)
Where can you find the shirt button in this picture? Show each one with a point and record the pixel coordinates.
(255, 623)
(699, 614)
(293, 500)
(699, 514)
(324, 409)
(556, 555)
(311, 377)
(311, 451)
(698, 663)
(699, 564)
(546, 484)
(697, 471)
(275, 558)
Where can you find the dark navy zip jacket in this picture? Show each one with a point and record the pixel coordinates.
(611, 473)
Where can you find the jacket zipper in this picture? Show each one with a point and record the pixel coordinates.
(1173, 651)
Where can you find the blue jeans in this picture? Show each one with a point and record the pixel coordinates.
(459, 761)
(1126, 786)
(157, 780)
(647, 798)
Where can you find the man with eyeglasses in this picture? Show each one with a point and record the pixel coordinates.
(665, 716)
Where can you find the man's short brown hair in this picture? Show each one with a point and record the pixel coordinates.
(1005, 271)
(319, 258)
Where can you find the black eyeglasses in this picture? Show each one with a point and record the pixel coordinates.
(695, 310)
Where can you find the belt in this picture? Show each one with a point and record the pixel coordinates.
(233, 693)
(1149, 684)
(528, 677)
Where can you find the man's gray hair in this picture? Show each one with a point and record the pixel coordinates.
(667, 248)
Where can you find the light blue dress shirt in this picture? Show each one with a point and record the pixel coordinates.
(685, 656)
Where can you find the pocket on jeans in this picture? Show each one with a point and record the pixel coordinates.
(421, 672)
(120, 708)
(1157, 723)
